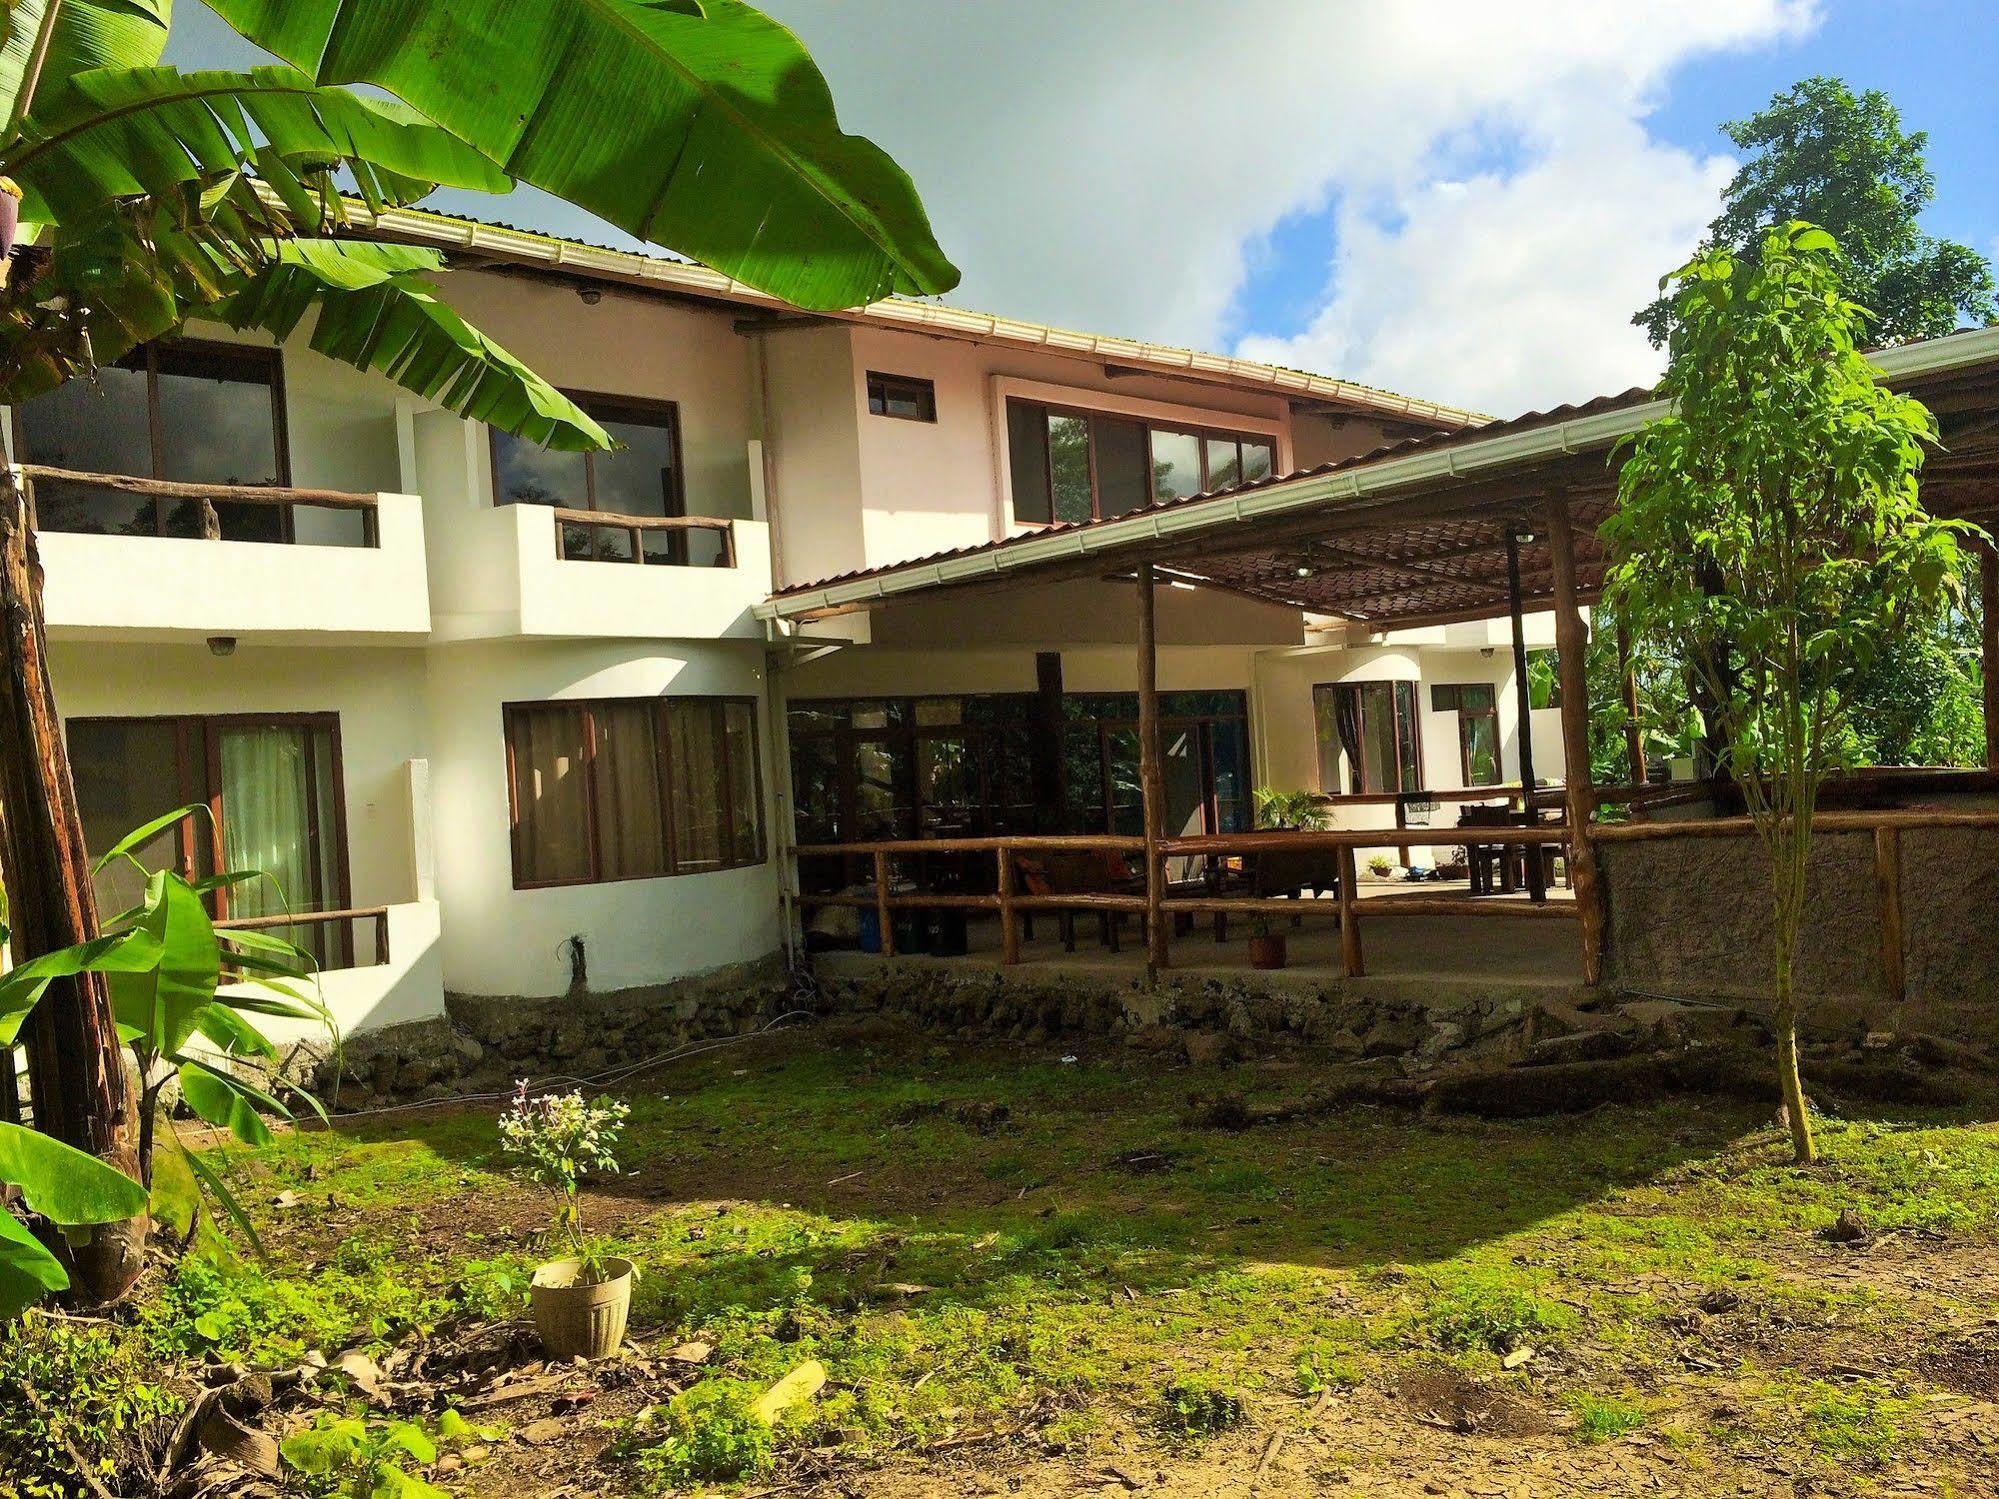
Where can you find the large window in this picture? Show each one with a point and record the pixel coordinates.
(629, 788)
(643, 477)
(1070, 466)
(272, 788)
(1373, 726)
(199, 412)
(1477, 706)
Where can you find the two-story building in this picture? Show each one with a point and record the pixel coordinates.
(520, 723)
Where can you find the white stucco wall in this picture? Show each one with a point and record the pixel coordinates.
(499, 940)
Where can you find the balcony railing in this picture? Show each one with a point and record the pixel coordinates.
(206, 498)
(653, 540)
(328, 935)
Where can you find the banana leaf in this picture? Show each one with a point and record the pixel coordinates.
(706, 128)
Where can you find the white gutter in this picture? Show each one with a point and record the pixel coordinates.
(1378, 480)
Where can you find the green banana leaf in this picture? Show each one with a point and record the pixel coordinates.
(65, 1186)
(113, 133)
(88, 34)
(706, 128)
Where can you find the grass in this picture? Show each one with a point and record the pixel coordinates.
(1089, 1270)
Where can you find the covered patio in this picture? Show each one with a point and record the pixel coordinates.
(1483, 523)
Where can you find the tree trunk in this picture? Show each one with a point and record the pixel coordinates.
(80, 1093)
(1789, 1084)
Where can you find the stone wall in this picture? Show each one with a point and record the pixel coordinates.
(1208, 1017)
(1691, 916)
(484, 1042)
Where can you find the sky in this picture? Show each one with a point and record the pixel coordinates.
(1456, 199)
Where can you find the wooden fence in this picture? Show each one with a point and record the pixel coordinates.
(208, 496)
(344, 923)
(637, 527)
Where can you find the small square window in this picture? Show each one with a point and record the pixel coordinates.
(903, 396)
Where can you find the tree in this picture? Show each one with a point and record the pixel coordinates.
(1824, 155)
(1770, 529)
(151, 197)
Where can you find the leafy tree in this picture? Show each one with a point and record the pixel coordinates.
(1769, 529)
(1828, 156)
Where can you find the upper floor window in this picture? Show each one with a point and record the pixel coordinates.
(641, 477)
(629, 788)
(204, 413)
(1477, 707)
(1072, 466)
(1374, 725)
(902, 396)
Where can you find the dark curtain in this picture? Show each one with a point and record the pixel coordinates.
(1346, 718)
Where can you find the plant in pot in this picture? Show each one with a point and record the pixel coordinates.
(581, 1299)
(1266, 943)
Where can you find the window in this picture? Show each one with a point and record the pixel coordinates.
(201, 412)
(1073, 466)
(1374, 725)
(643, 477)
(272, 787)
(1477, 706)
(632, 788)
(902, 396)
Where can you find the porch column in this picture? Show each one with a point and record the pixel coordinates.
(1572, 642)
(1634, 735)
(1151, 778)
(1988, 630)
(1537, 877)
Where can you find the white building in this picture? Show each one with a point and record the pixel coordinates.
(551, 752)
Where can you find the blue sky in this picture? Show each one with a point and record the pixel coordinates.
(1452, 197)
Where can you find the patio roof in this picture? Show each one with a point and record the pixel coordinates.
(1416, 532)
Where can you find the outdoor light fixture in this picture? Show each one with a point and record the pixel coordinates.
(222, 645)
(590, 295)
(1305, 570)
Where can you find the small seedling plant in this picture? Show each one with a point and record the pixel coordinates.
(350, 1457)
(555, 1140)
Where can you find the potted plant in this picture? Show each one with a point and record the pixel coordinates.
(1266, 944)
(1295, 811)
(580, 1300)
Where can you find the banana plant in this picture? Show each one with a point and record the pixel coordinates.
(153, 196)
(185, 993)
(63, 1185)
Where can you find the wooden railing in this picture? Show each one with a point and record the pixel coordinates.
(1009, 902)
(208, 496)
(343, 921)
(676, 528)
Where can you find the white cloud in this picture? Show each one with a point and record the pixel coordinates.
(1107, 166)
(1510, 291)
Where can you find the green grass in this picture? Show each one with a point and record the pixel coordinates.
(961, 1275)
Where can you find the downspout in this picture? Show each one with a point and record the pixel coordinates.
(779, 575)
(784, 829)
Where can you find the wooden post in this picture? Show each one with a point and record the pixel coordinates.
(1634, 735)
(1988, 630)
(884, 917)
(76, 1067)
(1888, 871)
(1151, 777)
(1537, 877)
(1351, 962)
(1009, 927)
(1572, 643)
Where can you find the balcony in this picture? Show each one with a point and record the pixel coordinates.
(349, 568)
(538, 570)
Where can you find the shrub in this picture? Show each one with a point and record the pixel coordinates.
(64, 1386)
(1195, 1408)
(709, 1433)
(555, 1141)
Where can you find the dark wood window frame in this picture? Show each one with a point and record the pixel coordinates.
(1356, 759)
(883, 388)
(198, 777)
(642, 411)
(662, 766)
(1197, 430)
(146, 358)
(1448, 697)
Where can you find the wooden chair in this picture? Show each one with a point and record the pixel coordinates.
(1081, 872)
